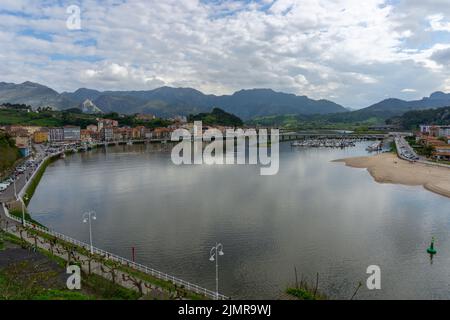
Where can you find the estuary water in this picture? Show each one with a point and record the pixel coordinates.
(315, 215)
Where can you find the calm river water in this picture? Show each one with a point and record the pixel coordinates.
(316, 215)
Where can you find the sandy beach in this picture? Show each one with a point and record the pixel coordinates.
(388, 168)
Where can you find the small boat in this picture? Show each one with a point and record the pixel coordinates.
(129, 143)
(297, 144)
(63, 155)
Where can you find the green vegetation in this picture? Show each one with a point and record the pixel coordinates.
(55, 294)
(45, 118)
(305, 291)
(217, 117)
(412, 119)
(74, 116)
(131, 121)
(301, 294)
(169, 286)
(36, 179)
(105, 289)
(393, 147)
(18, 214)
(338, 121)
(8, 151)
(28, 280)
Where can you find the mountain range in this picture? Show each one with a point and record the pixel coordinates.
(167, 102)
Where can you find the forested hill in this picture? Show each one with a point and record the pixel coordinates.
(217, 117)
(8, 152)
(412, 119)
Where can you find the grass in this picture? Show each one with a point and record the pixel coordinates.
(305, 291)
(393, 147)
(37, 178)
(26, 280)
(18, 214)
(55, 294)
(301, 294)
(105, 289)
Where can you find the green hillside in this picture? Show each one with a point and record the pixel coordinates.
(217, 117)
(412, 119)
(9, 154)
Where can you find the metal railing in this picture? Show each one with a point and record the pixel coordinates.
(128, 263)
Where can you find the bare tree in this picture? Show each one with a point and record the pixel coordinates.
(136, 282)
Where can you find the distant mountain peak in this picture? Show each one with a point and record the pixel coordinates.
(439, 95)
(89, 107)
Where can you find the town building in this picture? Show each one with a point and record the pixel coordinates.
(92, 128)
(162, 133)
(40, 136)
(442, 152)
(145, 117)
(107, 133)
(103, 123)
(56, 135)
(85, 135)
(435, 131)
(72, 133)
(444, 131)
(24, 150)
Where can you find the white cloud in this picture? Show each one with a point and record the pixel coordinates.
(353, 51)
(437, 23)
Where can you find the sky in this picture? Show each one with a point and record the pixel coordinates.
(353, 52)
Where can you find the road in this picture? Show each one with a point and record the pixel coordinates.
(8, 194)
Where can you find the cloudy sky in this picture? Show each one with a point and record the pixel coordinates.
(354, 52)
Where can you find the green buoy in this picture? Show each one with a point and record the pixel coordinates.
(431, 250)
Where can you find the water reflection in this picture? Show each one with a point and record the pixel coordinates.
(315, 215)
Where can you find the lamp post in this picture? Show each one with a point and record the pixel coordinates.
(24, 222)
(23, 213)
(87, 218)
(215, 252)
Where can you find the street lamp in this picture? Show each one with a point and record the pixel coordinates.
(24, 222)
(88, 217)
(23, 213)
(215, 252)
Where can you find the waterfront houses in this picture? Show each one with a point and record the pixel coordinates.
(72, 133)
(40, 136)
(435, 131)
(106, 130)
(107, 133)
(437, 137)
(56, 135)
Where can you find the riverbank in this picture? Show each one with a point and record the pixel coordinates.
(127, 274)
(388, 168)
